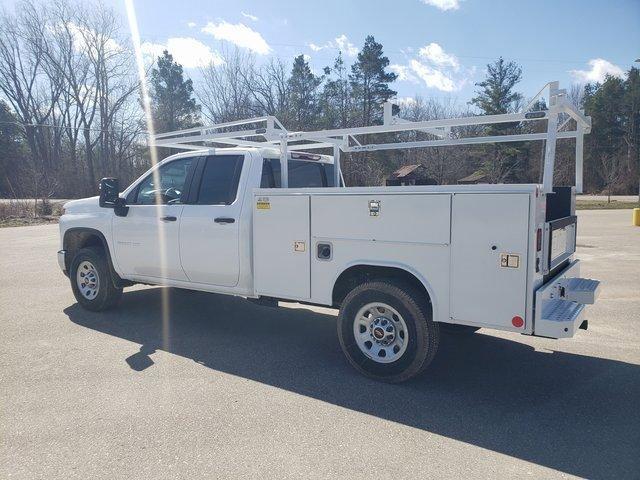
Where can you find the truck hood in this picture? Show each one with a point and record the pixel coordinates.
(82, 205)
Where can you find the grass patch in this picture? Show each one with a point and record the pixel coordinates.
(18, 213)
(25, 221)
(604, 205)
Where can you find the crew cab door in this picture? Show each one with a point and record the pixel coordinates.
(210, 222)
(146, 240)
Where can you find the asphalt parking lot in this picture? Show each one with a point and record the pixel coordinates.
(248, 391)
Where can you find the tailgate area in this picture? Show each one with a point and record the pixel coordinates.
(560, 303)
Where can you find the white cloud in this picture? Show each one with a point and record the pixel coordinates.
(435, 68)
(443, 4)
(84, 37)
(433, 77)
(403, 72)
(405, 101)
(238, 34)
(307, 58)
(341, 43)
(346, 46)
(600, 68)
(188, 52)
(191, 24)
(249, 16)
(436, 55)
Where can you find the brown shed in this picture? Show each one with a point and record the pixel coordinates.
(410, 175)
(475, 177)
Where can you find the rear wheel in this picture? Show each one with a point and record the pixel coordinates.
(91, 280)
(386, 331)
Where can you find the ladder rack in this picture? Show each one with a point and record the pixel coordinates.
(268, 132)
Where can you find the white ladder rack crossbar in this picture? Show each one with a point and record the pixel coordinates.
(268, 132)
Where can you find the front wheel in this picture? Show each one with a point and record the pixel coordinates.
(386, 331)
(91, 280)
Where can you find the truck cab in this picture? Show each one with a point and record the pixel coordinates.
(187, 221)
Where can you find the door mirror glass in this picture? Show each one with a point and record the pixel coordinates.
(109, 192)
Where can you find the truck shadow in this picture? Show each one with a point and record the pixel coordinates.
(572, 413)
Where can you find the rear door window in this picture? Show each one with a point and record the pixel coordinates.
(219, 181)
(301, 174)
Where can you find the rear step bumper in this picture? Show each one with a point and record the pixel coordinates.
(560, 303)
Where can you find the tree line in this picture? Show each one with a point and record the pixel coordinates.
(71, 113)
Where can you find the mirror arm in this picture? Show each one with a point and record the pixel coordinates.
(120, 207)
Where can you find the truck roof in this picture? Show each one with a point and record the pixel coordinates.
(266, 152)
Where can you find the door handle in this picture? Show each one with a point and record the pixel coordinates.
(224, 220)
(168, 218)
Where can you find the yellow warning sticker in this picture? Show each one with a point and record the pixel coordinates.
(263, 203)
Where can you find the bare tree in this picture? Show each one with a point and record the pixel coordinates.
(69, 78)
(444, 164)
(269, 87)
(225, 92)
(24, 83)
(612, 170)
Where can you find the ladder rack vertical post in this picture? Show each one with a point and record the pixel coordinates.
(284, 163)
(552, 135)
(579, 156)
(336, 166)
(550, 151)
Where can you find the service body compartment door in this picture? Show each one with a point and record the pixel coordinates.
(489, 242)
(421, 219)
(281, 246)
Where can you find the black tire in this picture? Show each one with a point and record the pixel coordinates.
(415, 310)
(108, 294)
(459, 330)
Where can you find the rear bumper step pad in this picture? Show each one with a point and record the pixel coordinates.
(560, 303)
(581, 290)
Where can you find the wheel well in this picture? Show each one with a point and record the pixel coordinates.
(358, 274)
(77, 238)
(74, 240)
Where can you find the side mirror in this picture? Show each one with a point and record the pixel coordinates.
(110, 197)
(109, 192)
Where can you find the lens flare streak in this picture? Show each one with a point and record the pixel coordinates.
(146, 102)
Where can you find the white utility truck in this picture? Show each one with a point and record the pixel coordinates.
(265, 219)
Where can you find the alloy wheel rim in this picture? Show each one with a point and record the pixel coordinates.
(380, 332)
(87, 280)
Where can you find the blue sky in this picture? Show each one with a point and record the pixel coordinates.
(438, 47)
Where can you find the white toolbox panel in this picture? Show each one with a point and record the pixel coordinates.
(397, 218)
(281, 246)
(489, 245)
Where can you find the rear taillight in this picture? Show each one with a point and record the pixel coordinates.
(538, 240)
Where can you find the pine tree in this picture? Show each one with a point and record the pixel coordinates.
(370, 82)
(495, 96)
(303, 95)
(172, 103)
(632, 124)
(13, 157)
(612, 147)
(336, 96)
